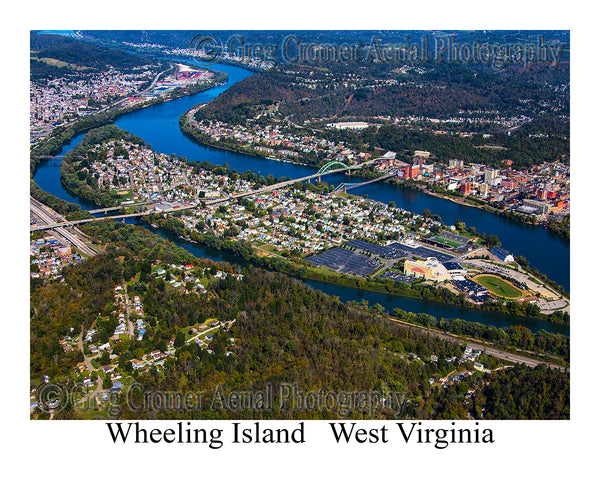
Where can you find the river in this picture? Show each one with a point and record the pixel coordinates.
(159, 126)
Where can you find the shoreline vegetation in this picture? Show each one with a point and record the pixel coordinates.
(517, 339)
(395, 354)
(283, 262)
(561, 229)
(301, 269)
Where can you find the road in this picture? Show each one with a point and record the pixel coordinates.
(63, 222)
(90, 368)
(493, 351)
(549, 301)
(49, 217)
(205, 332)
(128, 311)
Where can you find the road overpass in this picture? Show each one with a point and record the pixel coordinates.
(45, 214)
(120, 207)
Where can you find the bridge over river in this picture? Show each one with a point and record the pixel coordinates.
(327, 169)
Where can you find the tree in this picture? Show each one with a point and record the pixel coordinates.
(179, 340)
(105, 358)
(492, 241)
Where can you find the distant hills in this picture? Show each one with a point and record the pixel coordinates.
(59, 54)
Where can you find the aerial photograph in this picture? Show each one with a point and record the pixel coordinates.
(300, 225)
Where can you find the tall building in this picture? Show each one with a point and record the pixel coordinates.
(455, 163)
(411, 171)
(484, 189)
(490, 175)
(465, 188)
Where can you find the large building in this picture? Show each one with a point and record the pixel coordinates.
(539, 207)
(503, 254)
(430, 269)
(489, 176)
(349, 125)
(410, 171)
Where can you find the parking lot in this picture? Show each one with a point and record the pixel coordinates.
(422, 252)
(396, 276)
(342, 260)
(398, 250)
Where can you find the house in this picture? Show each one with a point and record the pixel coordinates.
(136, 363)
(156, 354)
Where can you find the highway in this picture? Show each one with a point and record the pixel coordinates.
(49, 216)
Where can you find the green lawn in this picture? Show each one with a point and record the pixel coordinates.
(448, 242)
(498, 286)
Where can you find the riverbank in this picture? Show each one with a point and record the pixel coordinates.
(159, 126)
(79, 185)
(51, 146)
(486, 207)
(302, 269)
(202, 139)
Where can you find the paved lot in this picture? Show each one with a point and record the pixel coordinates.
(342, 260)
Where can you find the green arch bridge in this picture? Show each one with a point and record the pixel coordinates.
(330, 165)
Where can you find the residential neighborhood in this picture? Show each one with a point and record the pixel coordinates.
(325, 228)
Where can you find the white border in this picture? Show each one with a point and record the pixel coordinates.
(536, 449)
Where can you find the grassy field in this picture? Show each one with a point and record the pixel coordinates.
(498, 286)
(448, 242)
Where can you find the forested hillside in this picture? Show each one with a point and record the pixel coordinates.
(55, 55)
(284, 333)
